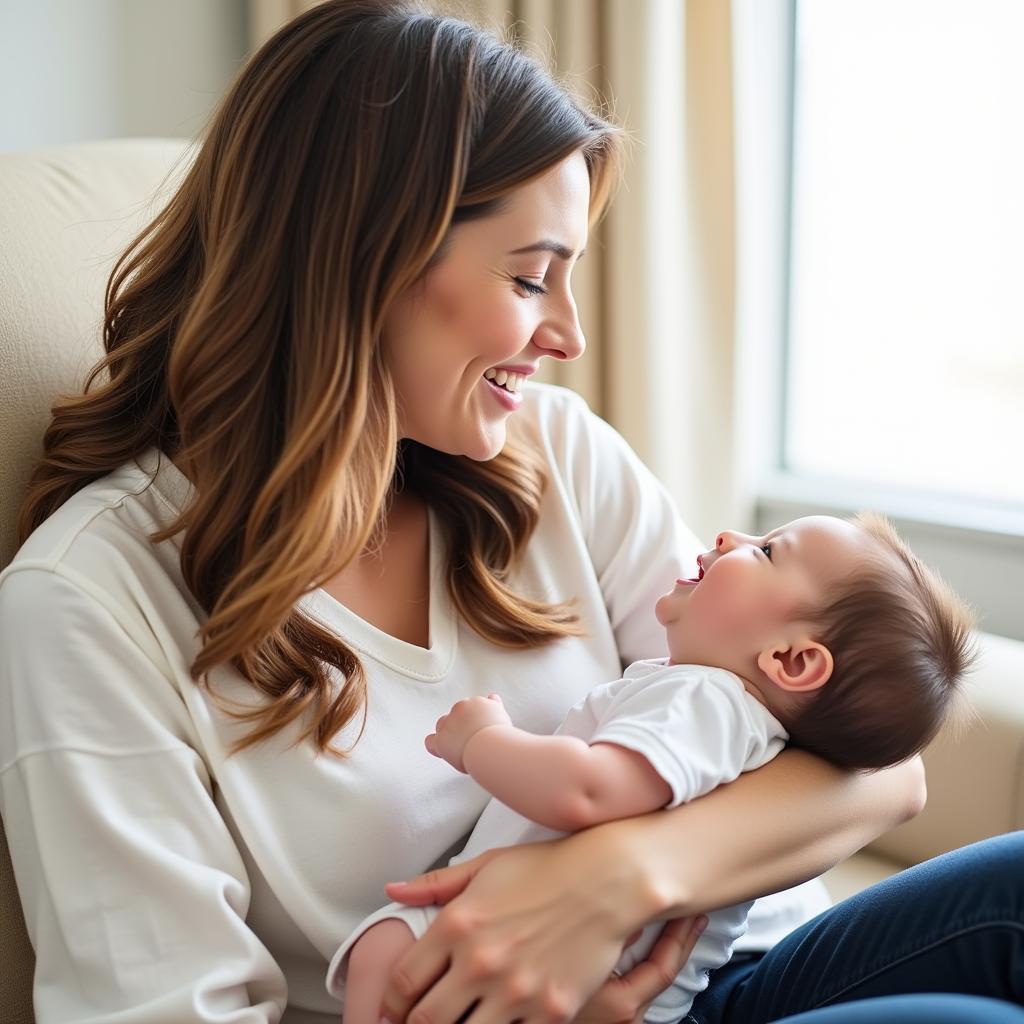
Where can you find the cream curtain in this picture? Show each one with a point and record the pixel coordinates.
(656, 291)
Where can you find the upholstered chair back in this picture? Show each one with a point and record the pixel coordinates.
(66, 213)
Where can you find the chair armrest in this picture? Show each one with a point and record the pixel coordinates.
(975, 767)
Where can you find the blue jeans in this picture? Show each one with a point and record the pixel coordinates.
(940, 942)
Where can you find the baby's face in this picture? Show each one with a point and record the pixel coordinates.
(747, 592)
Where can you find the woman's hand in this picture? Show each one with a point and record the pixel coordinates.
(625, 1000)
(532, 932)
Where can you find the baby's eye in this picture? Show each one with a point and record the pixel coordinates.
(767, 549)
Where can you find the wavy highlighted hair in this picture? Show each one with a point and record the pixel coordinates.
(242, 330)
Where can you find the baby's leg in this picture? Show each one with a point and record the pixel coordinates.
(369, 965)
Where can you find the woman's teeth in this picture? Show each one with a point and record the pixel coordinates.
(509, 381)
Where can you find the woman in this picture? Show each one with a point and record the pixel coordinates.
(307, 511)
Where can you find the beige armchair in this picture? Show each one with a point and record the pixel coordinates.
(65, 214)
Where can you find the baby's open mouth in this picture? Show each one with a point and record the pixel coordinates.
(698, 577)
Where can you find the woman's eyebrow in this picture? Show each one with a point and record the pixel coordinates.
(547, 245)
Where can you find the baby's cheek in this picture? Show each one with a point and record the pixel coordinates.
(779, 604)
(733, 611)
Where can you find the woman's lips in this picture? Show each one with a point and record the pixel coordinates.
(510, 400)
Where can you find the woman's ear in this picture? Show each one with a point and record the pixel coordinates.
(802, 667)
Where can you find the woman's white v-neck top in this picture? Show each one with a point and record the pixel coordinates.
(429, 664)
(163, 881)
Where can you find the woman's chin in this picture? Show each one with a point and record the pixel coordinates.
(487, 445)
(480, 445)
(492, 453)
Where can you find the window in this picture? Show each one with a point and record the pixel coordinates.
(906, 320)
(881, 285)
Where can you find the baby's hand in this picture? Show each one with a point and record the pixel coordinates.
(466, 718)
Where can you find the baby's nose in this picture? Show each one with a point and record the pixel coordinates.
(725, 541)
(728, 540)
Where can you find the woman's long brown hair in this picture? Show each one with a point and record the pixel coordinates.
(241, 334)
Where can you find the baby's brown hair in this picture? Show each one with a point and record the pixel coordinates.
(901, 641)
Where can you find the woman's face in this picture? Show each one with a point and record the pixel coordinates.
(471, 315)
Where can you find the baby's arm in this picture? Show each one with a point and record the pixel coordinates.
(369, 965)
(561, 781)
(557, 781)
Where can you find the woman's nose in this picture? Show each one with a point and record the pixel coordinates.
(561, 337)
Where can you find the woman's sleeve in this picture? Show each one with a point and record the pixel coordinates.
(135, 895)
(637, 540)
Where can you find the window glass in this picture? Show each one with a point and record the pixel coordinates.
(905, 355)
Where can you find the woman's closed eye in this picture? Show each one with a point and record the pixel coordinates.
(529, 286)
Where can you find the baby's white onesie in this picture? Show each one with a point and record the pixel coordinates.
(699, 728)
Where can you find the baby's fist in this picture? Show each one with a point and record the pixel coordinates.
(466, 718)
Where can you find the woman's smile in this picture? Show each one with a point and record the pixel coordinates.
(510, 400)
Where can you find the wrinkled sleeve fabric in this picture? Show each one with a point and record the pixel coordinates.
(696, 726)
(637, 540)
(134, 892)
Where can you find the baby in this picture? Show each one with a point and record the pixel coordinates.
(826, 633)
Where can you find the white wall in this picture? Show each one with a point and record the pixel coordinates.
(74, 70)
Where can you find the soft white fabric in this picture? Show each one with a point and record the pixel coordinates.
(165, 882)
(698, 728)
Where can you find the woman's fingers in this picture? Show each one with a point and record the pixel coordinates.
(442, 992)
(420, 969)
(449, 1000)
(439, 885)
(627, 998)
(666, 959)
(528, 933)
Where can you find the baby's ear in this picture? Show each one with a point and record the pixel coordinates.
(800, 668)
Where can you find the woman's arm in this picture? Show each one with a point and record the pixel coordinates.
(135, 894)
(553, 916)
(784, 823)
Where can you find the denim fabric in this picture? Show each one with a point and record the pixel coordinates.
(943, 941)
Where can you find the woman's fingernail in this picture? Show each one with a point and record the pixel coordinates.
(702, 923)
